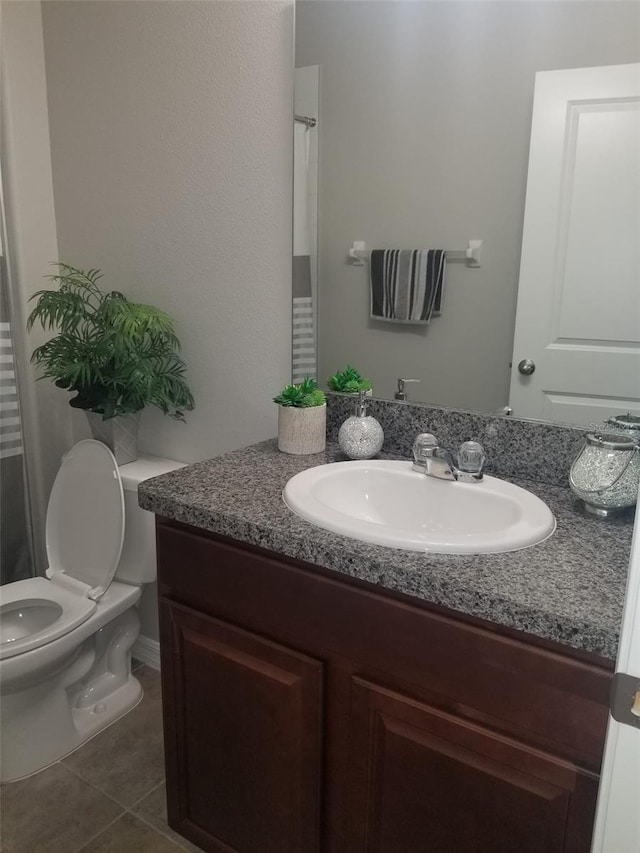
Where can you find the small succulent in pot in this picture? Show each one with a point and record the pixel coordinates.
(302, 418)
(304, 395)
(348, 381)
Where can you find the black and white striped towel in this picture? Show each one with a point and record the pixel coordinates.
(406, 284)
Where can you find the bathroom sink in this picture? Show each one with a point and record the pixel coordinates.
(389, 503)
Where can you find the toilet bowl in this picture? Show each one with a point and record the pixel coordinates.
(65, 640)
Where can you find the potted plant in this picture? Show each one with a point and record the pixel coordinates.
(349, 381)
(302, 418)
(117, 356)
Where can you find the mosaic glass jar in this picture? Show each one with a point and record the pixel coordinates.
(606, 473)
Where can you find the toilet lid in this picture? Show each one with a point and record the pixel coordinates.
(85, 516)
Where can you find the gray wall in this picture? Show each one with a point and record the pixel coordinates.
(171, 145)
(425, 116)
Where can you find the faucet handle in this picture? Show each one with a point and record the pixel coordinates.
(423, 448)
(471, 458)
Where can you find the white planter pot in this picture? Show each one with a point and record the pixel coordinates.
(119, 434)
(302, 431)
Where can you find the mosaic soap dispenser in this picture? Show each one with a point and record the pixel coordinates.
(360, 436)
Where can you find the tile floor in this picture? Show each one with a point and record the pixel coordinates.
(107, 797)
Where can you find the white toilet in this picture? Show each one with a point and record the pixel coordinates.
(65, 651)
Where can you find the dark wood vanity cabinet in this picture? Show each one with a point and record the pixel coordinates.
(307, 712)
(243, 737)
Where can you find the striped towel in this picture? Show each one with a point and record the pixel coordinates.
(406, 284)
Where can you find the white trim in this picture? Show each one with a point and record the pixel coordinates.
(617, 826)
(147, 651)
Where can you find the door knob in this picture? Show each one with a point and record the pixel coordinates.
(526, 366)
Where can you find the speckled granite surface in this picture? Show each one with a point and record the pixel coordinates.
(515, 448)
(569, 589)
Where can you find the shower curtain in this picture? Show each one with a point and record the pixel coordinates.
(304, 335)
(16, 561)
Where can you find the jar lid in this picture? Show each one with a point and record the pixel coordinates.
(627, 421)
(611, 441)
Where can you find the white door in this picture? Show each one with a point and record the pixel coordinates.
(618, 817)
(578, 314)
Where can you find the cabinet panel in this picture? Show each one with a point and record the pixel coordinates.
(476, 741)
(242, 737)
(544, 697)
(423, 780)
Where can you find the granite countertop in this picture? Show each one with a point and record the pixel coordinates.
(569, 589)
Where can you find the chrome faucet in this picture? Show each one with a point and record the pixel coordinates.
(401, 393)
(436, 461)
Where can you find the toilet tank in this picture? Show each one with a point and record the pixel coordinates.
(138, 560)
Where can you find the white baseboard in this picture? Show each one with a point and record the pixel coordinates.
(147, 651)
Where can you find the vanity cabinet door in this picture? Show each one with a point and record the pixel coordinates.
(242, 737)
(425, 781)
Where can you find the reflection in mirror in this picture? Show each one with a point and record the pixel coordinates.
(424, 121)
(305, 224)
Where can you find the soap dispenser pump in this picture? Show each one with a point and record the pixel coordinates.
(360, 436)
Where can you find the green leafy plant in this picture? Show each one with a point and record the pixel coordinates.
(305, 395)
(348, 381)
(117, 356)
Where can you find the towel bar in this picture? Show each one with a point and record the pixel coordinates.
(471, 255)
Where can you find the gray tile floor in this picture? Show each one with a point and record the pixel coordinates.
(107, 797)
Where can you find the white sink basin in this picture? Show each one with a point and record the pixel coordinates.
(388, 503)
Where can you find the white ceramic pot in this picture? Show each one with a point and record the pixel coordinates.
(119, 434)
(302, 431)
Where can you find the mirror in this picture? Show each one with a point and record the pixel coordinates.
(424, 121)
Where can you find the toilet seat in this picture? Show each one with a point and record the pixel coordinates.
(84, 537)
(75, 609)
